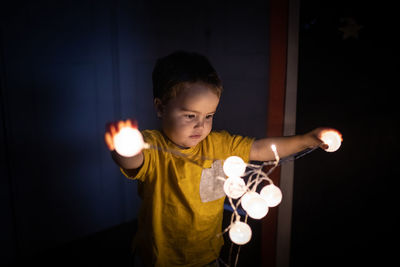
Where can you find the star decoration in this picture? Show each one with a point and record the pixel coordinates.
(350, 29)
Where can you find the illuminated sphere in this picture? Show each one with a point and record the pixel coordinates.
(234, 187)
(244, 201)
(128, 142)
(240, 233)
(333, 139)
(257, 207)
(272, 195)
(234, 166)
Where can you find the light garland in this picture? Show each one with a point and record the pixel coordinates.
(256, 205)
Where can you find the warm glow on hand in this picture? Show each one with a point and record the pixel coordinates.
(333, 139)
(128, 142)
(125, 138)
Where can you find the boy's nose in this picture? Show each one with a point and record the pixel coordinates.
(200, 123)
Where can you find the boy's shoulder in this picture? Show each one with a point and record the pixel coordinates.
(157, 137)
(152, 135)
(223, 137)
(157, 134)
(151, 132)
(222, 134)
(219, 134)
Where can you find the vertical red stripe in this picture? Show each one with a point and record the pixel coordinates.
(275, 113)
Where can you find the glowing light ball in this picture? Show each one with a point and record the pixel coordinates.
(272, 195)
(240, 233)
(128, 142)
(273, 147)
(234, 187)
(234, 166)
(244, 201)
(333, 139)
(257, 207)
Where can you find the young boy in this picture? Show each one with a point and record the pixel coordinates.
(182, 200)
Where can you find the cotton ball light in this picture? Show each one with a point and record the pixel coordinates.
(272, 195)
(234, 187)
(333, 139)
(257, 207)
(234, 166)
(128, 142)
(240, 233)
(244, 201)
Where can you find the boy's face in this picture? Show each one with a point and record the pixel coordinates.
(187, 118)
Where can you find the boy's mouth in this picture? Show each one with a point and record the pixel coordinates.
(195, 136)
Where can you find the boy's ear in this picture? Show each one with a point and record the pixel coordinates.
(159, 107)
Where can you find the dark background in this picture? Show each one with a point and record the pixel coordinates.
(68, 67)
(345, 203)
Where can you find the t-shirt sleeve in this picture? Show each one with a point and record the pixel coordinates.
(241, 146)
(234, 145)
(142, 170)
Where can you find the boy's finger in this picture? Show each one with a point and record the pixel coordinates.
(121, 124)
(109, 141)
(108, 125)
(113, 129)
(128, 123)
(324, 146)
(134, 123)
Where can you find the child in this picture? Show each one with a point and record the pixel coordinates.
(182, 208)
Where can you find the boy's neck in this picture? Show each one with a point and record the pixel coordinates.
(178, 146)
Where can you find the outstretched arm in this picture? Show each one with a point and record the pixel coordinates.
(287, 145)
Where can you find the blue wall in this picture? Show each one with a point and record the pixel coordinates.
(68, 67)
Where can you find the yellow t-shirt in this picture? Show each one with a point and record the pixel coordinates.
(180, 219)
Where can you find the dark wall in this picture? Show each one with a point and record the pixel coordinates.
(61, 83)
(344, 211)
(68, 67)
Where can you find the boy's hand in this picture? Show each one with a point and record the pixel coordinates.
(288, 145)
(313, 138)
(113, 129)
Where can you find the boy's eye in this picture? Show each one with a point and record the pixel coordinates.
(190, 116)
(209, 116)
